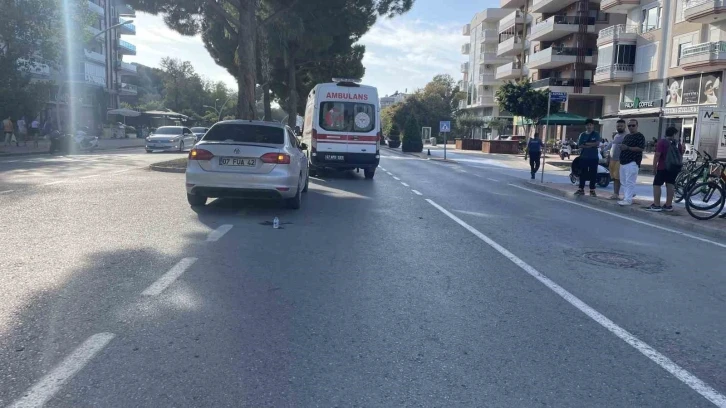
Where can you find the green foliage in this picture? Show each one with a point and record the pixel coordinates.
(521, 100)
(465, 124)
(411, 141)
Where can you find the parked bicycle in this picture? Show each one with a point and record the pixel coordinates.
(705, 199)
(693, 171)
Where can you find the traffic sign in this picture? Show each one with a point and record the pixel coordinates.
(560, 97)
(444, 126)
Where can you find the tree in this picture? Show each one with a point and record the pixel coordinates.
(521, 100)
(467, 123)
(500, 125)
(411, 141)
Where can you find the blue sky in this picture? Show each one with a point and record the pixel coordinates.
(401, 53)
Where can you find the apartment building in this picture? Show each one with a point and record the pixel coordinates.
(99, 73)
(667, 62)
(390, 100)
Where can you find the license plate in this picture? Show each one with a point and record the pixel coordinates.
(334, 157)
(237, 161)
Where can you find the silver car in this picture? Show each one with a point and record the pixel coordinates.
(199, 132)
(169, 138)
(247, 159)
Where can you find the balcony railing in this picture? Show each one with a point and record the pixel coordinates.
(485, 100)
(489, 34)
(688, 4)
(465, 48)
(126, 66)
(558, 82)
(511, 19)
(466, 30)
(614, 68)
(88, 78)
(94, 56)
(487, 77)
(95, 8)
(616, 32)
(558, 51)
(127, 45)
(714, 47)
(465, 67)
(129, 27)
(128, 88)
(570, 20)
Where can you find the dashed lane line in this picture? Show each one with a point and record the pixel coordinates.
(417, 192)
(396, 178)
(168, 278)
(494, 180)
(6, 191)
(218, 233)
(404, 184)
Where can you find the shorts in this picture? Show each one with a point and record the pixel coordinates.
(614, 169)
(664, 176)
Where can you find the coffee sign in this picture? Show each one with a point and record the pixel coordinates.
(638, 104)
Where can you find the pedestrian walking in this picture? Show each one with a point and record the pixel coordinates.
(35, 130)
(534, 147)
(588, 142)
(631, 155)
(614, 166)
(668, 162)
(9, 131)
(23, 130)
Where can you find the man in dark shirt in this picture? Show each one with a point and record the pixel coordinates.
(534, 148)
(588, 142)
(631, 154)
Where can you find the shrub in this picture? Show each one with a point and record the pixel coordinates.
(411, 141)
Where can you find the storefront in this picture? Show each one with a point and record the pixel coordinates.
(684, 96)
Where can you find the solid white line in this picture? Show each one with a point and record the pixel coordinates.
(92, 175)
(169, 277)
(625, 217)
(405, 185)
(416, 192)
(6, 191)
(667, 364)
(219, 232)
(122, 171)
(491, 179)
(396, 178)
(52, 382)
(54, 182)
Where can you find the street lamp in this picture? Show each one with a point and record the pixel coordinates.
(220, 110)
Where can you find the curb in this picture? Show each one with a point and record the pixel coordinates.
(418, 155)
(708, 228)
(166, 169)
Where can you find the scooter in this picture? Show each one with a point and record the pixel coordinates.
(84, 142)
(603, 173)
(565, 152)
(67, 144)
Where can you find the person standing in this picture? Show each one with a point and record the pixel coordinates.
(614, 167)
(666, 170)
(9, 129)
(534, 147)
(631, 154)
(23, 130)
(35, 130)
(588, 142)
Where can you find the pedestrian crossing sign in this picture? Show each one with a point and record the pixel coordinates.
(444, 126)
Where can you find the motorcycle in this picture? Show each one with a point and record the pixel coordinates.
(84, 142)
(603, 173)
(565, 152)
(68, 144)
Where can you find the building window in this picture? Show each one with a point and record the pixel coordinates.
(625, 55)
(651, 18)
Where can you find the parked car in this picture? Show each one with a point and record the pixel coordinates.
(248, 159)
(167, 138)
(199, 132)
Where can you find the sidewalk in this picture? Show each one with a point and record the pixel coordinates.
(44, 145)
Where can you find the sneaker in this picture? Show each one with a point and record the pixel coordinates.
(592, 193)
(579, 192)
(654, 208)
(532, 176)
(615, 197)
(624, 203)
(668, 208)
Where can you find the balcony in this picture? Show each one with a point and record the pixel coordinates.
(488, 78)
(511, 3)
(561, 85)
(88, 79)
(126, 48)
(93, 30)
(550, 6)
(465, 48)
(464, 67)
(615, 74)
(124, 9)
(618, 6)
(704, 56)
(486, 100)
(492, 58)
(510, 47)
(489, 35)
(466, 30)
(95, 8)
(513, 70)
(623, 34)
(554, 57)
(127, 29)
(513, 18)
(704, 11)
(127, 89)
(126, 67)
(95, 57)
(35, 69)
(557, 27)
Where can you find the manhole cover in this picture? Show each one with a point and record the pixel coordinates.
(618, 260)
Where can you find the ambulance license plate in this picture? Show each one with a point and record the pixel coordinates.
(334, 157)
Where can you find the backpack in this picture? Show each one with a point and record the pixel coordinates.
(674, 160)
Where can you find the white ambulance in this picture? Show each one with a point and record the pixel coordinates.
(342, 126)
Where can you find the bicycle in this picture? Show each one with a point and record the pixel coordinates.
(709, 195)
(691, 173)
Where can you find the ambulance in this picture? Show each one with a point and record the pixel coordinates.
(342, 127)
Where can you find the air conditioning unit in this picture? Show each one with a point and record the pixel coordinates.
(486, 87)
(487, 66)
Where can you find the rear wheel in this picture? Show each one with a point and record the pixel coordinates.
(307, 183)
(603, 181)
(295, 202)
(681, 185)
(573, 178)
(705, 200)
(196, 200)
(369, 173)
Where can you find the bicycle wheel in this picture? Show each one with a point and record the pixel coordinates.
(705, 200)
(680, 186)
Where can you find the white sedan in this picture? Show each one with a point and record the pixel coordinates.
(169, 138)
(248, 159)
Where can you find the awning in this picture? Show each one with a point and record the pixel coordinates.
(563, 118)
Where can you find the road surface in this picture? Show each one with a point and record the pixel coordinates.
(434, 285)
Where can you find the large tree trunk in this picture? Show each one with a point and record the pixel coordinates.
(246, 60)
(267, 102)
(292, 84)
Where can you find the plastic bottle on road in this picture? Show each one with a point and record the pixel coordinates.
(276, 223)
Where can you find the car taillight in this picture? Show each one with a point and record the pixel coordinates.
(200, 154)
(275, 158)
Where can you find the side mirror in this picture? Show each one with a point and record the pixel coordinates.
(303, 146)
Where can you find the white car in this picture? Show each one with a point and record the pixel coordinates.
(247, 159)
(199, 132)
(168, 138)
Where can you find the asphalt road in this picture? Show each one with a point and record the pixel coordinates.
(437, 285)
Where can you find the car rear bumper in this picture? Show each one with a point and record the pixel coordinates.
(163, 147)
(350, 160)
(274, 185)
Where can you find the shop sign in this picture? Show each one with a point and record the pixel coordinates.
(695, 89)
(638, 104)
(681, 110)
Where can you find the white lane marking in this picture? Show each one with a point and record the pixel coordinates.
(168, 278)
(667, 364)
(396, 178)
(92, 175)
(625, 217)
(416, 192)
(6, 191)
(382, 169)
(122, 171)
(51, 383)
(389, 173)
(54, 182)
(404, 184)
(219, 232)
(491, 179)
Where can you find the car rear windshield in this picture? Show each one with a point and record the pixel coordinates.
(347, 116)
(168, 131)
(245, 133)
